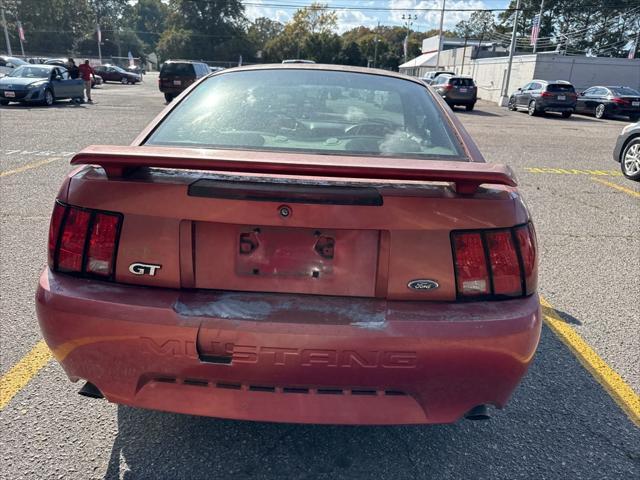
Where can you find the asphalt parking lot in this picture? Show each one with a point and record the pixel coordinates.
(561, 423)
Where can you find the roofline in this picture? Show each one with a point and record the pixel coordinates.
(323, 66)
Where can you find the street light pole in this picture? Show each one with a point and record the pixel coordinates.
(408, 24)
(6, 31)
(505, 91)
(375, 47)
(444, 2)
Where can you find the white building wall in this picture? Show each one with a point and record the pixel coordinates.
(582, 72)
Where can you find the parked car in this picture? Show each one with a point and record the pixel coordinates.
(39, 84)
(627, 151)
(457, 90)
(429, 77)
(137, 69)
(63, 62)
(8, 64)
(541, 96)
(245, 283)
(113, 73)
(608, 101)
(177, 75)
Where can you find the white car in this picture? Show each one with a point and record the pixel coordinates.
(7, 64)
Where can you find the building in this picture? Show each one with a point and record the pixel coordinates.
(474, 48)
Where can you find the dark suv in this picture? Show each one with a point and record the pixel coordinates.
(457, 90)
(541, 96)
(177, 75)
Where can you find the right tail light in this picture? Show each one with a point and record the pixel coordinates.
(496, 263)
(83, 241)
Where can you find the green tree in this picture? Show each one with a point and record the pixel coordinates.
(148, 20)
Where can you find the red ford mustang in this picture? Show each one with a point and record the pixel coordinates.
(294, 243)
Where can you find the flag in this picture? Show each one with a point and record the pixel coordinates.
(99, 33)
(240, 61)
(632, 51)
(405, 45)
(130, 57)
(20, 31)
(535, 29)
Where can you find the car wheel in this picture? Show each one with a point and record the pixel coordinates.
(4, 102)
(630, 164)
(123, 81)
(168, 97)
(48, 97)
(511, 105)
(634, 118)
(566, 114)
(469, 108)
(601, 111)
(532, 110)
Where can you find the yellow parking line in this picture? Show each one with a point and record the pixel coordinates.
(612, 382)
(29, 166)
(22, 372)
(626, 190)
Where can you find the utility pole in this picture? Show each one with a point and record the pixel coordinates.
(6, 31)
(409, 22)
(375, 46)
(444, 2)
(535, 45)
(99, 36)
(505, 91)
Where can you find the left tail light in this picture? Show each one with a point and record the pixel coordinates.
(83, 241)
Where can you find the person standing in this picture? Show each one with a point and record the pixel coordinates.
(74, 71)
(85, 73)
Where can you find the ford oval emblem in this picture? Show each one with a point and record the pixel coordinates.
(423, 284)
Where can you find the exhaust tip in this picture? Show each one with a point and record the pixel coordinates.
(479, 412)
(91, 391)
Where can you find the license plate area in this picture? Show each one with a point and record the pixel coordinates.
(635, 104)
(286, 259)
(9, 94)
(562, 97)
(286, 252)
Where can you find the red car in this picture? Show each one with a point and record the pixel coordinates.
(294, 243)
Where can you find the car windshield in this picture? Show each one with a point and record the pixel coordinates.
(31, 72)
(560, 87)
(118, 69)
(624, 91)
(180, 69)
(314, 111)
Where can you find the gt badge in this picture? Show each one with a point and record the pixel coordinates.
(144, 268)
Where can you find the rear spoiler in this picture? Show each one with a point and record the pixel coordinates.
(117, 161)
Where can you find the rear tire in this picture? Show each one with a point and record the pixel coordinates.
(511, 105)
(634, 118)
(469, 108)
(566, 114)
(630, 160)
(168, 97)
(123, 81)
(532, 110)
(4, 102)
(601, 111)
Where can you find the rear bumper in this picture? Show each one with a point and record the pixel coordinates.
(558, 108)
(293, 358)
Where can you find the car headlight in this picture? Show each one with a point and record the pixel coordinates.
(35, 85)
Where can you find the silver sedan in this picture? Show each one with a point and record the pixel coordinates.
(627, 151)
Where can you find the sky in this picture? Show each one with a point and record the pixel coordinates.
(355, 13)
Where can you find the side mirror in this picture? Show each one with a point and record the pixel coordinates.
(582, 94)
(58, 77)
(519, 89)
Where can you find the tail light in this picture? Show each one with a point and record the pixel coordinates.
(497, 263)
(620, 101)
(83, 241)
(546, 94)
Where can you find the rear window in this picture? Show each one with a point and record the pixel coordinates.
(177, 69)
(461, 82)
(560, 87)
(313, 111)
(624, 91)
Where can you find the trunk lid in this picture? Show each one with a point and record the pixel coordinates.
(269, 222)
